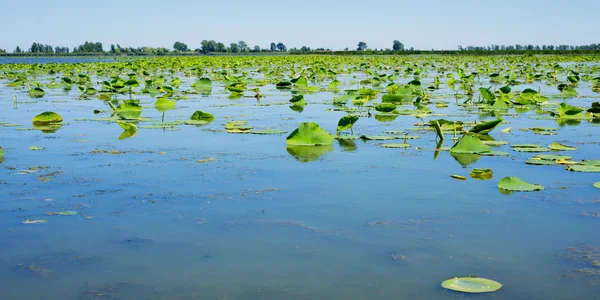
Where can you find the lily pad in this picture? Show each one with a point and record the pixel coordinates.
(469, 144)
(202, 116)
(47, 118)
(268, 131)
(482, 174)
(597, 185)
(34, 221)
(346, 122)
(539, 162)
(513, 183)
(68, 213)
(556, 146)
(36, 148)
(584, 168)
(471, 285)
(379, 137)
(391, 145)
(309, 134)
(127, 126)
(485, 128)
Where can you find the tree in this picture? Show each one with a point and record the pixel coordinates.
(234, 47)
(273, 47)
(221, 47)
(179, 46)
(18, 50)
(257, 48)
(398, 46)
(281, 47)
(361, 46)
(89, 47)
(243, 46)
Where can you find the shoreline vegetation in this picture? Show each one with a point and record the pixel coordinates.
(336, 53)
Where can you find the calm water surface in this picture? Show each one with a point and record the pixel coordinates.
(251, 221)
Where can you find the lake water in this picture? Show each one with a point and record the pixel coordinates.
(193, 212)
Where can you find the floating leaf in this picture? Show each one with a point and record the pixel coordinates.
(203, 86)
(471, 285)
(34, 221)
(469, 144)
(515, 184)
(268, 131)
(309, 134)
(584, 168)
(597, 185)
(385, 107)
(556, 146)
(458, 177)
(202, 116)
(36, 92)
(482, 174)
(47, 118)
(391, 145)
(36, 148)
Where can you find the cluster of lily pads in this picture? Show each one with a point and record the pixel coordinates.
(427, 89)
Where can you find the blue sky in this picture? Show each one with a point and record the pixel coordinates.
(316, 23)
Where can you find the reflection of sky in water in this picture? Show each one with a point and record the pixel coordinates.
(354, 221)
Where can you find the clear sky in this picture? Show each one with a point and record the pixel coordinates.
(335, 24)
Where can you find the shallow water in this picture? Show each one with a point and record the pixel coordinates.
(360, 222)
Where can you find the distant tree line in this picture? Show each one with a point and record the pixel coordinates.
(211, 46)
(530, 47)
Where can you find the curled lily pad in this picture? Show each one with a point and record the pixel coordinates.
(471, 285)
(485, 128)
(127, 126)
(553, 157)
(513, 183)
(556, 146)
(47, 117)
(482, 174)
(309, 134)
(202, 116)
(346, 122)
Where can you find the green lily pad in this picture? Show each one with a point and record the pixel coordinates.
(202, 116)
(534, 149)
(268, 131)
(556, 146)
(584, 168)
(471, 285)
(47, 118)
(597, 185)
(309, 134)
(36, 148)
(195, 122)
(67, 213)
(539, 162)
(347, 137)
(127, 126)
(482, 174)
(515, 184)
(553, 157)
(379, 137)
(390, 145)
(34, 221)
(469, 144)
(495, 143)
(526, 146)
